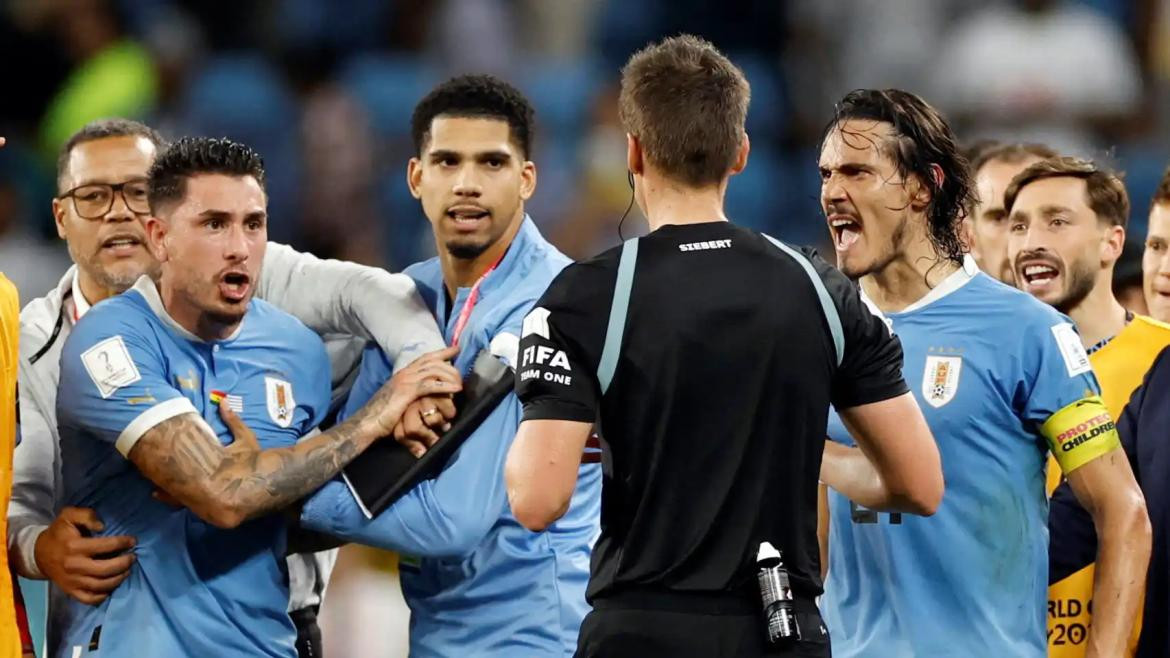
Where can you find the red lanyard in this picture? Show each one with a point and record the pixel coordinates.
(469, 305)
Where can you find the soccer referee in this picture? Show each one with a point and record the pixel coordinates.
(709, 355)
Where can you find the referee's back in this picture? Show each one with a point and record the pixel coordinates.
(708, 355)
(732, 348)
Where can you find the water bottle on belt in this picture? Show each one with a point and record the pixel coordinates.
(776, 591)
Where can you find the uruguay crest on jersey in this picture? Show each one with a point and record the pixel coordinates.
(281, 403)
(940, 381)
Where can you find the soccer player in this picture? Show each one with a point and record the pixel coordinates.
(142, 378)
(1156, 259)
(999, 376)
(994, 166)
(476, 581)
(1066, 232)
(103, 230)
(713, 395)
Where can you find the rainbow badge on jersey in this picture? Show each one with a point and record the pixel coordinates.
(235, 402)
(940, 382)
(280, 401)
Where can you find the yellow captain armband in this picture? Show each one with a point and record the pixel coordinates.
(1080, 433)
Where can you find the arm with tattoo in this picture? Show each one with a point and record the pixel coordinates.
(227, 485)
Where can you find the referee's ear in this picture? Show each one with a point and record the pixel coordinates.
(741, 156)
(634, 162)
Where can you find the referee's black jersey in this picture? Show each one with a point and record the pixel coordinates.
(732, 348)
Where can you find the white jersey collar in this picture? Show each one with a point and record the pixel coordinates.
(953, 282)
(149, 291)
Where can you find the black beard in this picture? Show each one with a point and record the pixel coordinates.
(464, 251)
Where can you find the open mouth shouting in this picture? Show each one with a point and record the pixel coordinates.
(846, 231)
(468, 217)
(234, 285)
(1038, 276)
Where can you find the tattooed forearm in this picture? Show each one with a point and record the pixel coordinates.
(281, 477)
(226, 485)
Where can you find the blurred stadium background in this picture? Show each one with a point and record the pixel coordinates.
(324, 90)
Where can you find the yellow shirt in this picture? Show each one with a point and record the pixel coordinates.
(1120, 367)
(9, 333)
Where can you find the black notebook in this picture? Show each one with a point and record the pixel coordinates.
(386, 470)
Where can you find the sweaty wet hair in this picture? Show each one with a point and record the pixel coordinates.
(191, 156)
(921, 140)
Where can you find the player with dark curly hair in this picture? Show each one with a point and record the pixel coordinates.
(477, 582)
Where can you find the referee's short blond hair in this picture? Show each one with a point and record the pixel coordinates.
(686, 103)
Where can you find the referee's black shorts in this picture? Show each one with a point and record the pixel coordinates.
(620, 628)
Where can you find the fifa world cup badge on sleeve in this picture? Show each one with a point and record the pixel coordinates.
(109, 366)
(1080, 433)
(1076, 360)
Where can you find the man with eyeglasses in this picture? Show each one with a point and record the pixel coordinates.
(102, 178)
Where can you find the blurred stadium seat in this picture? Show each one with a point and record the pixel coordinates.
(389, 86)
(1143, 166)
(768, 112)
(243, 98)
(562, 93)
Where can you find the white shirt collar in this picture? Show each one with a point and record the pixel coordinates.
(953, 282)
(149, 291)
(81, 305)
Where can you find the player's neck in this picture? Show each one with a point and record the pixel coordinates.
(1099, 315)
(190, 317)
(909, 277)
(93, 291)
(464, 272)
(667, 202)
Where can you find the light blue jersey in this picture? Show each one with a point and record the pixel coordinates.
(988, 365)
(195, 590)
(477, 582)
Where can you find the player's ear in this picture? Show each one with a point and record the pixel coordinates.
(921, 191)
(527, 180)
(156, 233)
(1113, 244)
(414, 177)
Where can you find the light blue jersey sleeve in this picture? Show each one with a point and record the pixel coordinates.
(1057, 371)
(113, 380)
(444, 517)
